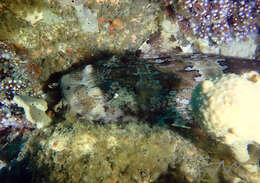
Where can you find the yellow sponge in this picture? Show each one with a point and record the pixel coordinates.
(228, 109)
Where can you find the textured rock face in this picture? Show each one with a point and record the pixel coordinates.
(227, 109)
(130, 153)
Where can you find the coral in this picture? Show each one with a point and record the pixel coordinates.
(226, 108)
(219, 21)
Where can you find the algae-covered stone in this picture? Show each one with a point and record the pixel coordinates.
(90, 153)
(34, 110)
(87, 19)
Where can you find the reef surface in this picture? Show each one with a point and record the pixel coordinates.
(99, 91)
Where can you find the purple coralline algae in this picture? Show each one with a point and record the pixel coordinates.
(218, 20)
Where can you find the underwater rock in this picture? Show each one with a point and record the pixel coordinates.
(87, 19)
(189, 44)
(130, 152)
(34, 110)
(72, 31)
(226, 108)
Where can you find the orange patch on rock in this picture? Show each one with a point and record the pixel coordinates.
(69, 50)
(118, 23)
(113, 24)
(112, 181)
